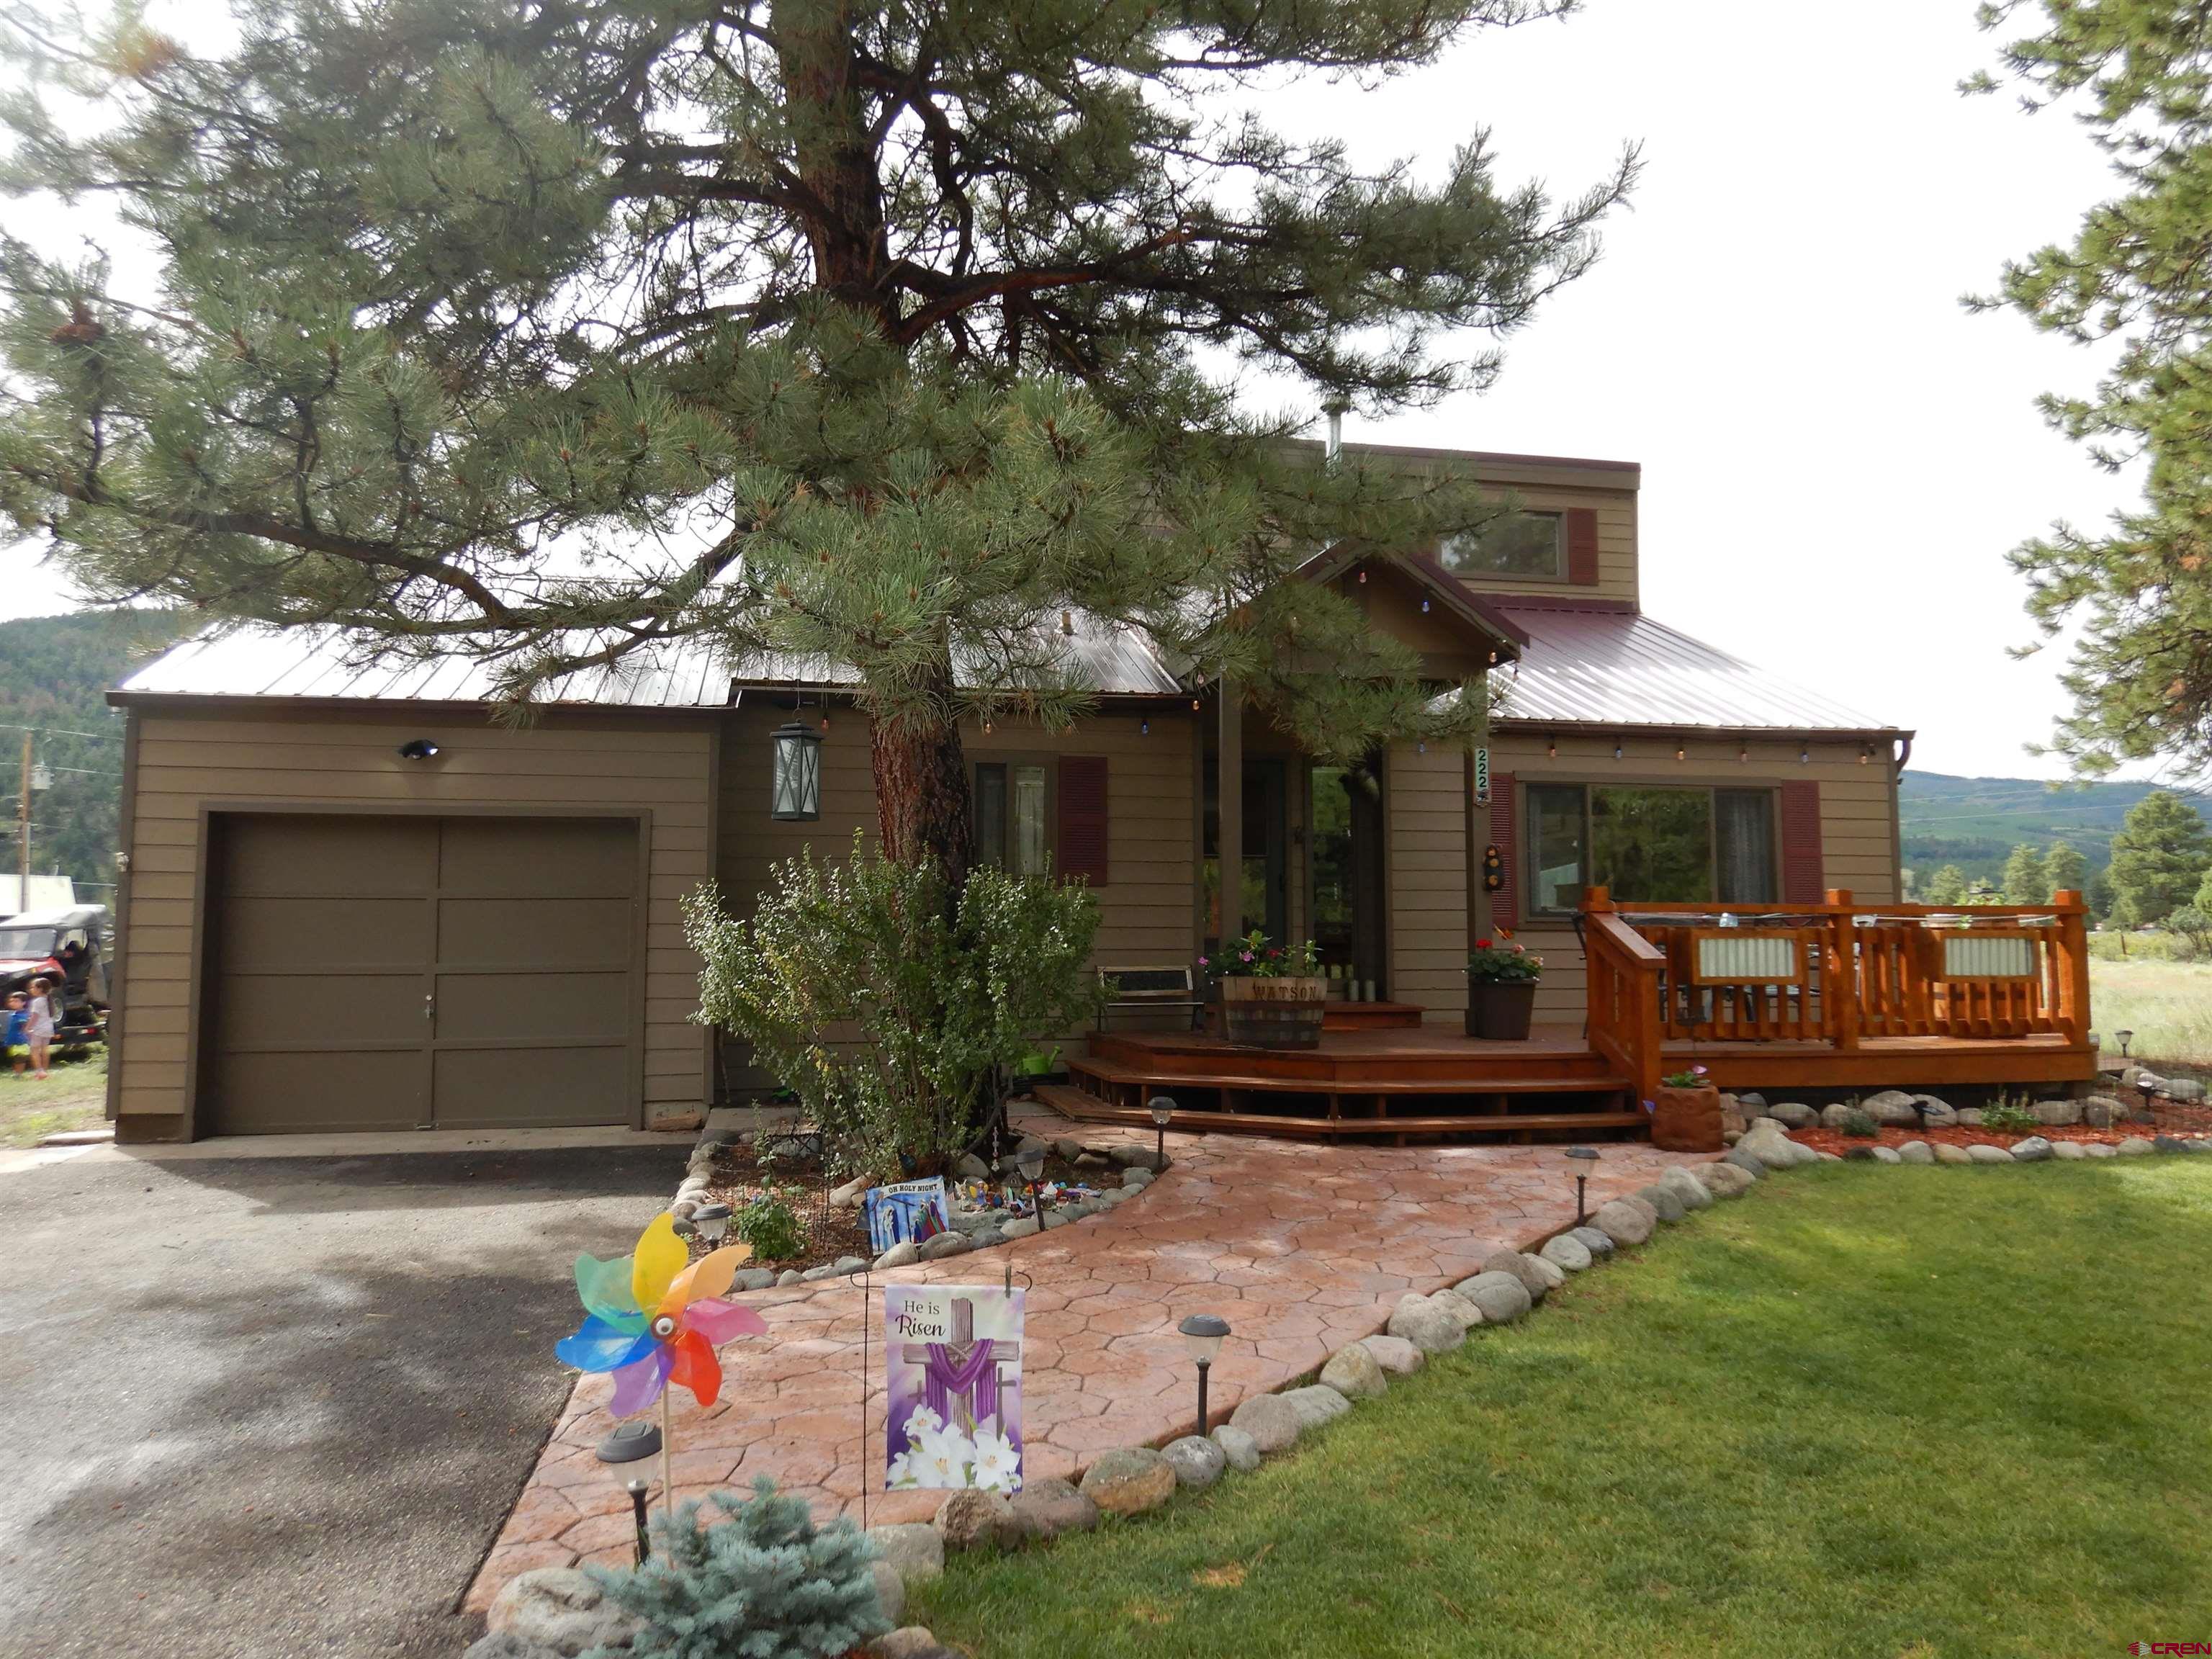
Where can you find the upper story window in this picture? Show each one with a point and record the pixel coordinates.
(1529, 546)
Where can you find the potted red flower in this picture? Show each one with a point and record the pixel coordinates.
(1686, 1116)
(1501, 988)
(1272, 995)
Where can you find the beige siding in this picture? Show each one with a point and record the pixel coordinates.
(1145, 905)
(1616, 540)
(187, 762)
(1857, 850)
(1425, 827)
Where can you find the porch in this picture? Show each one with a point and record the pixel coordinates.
(1826, 996)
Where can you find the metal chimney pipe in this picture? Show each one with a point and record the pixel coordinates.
(1334, 409)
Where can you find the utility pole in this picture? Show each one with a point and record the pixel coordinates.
(23, 817)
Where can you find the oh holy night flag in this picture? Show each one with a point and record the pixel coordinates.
(954, 1388)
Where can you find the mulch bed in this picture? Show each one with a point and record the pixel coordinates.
(735, 1179)
(2169, 1120)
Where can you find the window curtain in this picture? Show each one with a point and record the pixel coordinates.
(1746, 848)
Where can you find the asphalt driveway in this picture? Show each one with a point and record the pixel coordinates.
(281, 1406)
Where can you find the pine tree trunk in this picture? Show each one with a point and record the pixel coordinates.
(922, 809)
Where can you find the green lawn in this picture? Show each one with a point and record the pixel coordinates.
(2167, 1005)
(1858, 1412)
(74, 1097)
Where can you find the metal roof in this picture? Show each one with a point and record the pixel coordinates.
(1619, 668)
(320, 662)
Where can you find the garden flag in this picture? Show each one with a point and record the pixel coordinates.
(954, 1389)
(906, 1210)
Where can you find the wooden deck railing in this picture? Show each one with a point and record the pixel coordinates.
(1837, 973)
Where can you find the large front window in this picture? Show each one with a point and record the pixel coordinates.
(1654, 846)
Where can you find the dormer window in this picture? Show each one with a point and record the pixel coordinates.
(1525, 546)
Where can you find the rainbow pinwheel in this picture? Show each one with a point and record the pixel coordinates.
(652, 1320)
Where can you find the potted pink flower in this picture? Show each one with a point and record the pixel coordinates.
(1501, 988)
(1272, 995)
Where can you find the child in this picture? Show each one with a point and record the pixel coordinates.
(17, 1042)
(39, 1026)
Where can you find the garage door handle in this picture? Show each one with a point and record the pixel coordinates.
(430, 1006)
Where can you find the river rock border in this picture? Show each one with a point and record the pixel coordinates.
(1133, 1168)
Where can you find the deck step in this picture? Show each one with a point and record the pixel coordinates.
(1083, 1107)
(1157, 1077)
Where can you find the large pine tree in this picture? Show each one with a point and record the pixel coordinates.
(2137, 272)
(553, 330)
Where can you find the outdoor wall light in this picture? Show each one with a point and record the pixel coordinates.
(712, 1220)
(418, 749)
(795, 781)
(2125, 1037)
(1581, 1158)
(627, 1445)
(1201, 1337)
(1163, 1108)
(1030, 1162)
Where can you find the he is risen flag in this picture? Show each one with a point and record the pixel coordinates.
(953, 1391)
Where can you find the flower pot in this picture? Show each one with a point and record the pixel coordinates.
(1687, 1119)
(1273, 1014)
(1500, 1009)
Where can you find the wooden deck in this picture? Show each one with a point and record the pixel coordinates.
(1825, 997)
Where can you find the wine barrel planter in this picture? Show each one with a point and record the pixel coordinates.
(1273, 1014)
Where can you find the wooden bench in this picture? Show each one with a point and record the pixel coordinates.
(1168, 990)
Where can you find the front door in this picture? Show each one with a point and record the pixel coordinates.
(1345, 809)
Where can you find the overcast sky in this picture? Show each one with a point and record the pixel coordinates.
(1836, 456)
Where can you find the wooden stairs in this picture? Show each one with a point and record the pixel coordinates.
(1391, 1082)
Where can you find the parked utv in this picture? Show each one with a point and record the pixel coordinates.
(64, 946)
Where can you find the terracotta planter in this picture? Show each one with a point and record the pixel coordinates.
(1687, 1119)
(1500, 1009)
(1273, 1014)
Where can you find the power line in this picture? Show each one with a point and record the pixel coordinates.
(65, 731)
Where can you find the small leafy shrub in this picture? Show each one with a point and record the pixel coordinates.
(2009, 1115)
(888, 1008)
(770, 1225)
(1860, 1124)
(1696, 1077)
(762, 1581)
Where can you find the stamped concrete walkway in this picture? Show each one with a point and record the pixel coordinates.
(1302, 1248)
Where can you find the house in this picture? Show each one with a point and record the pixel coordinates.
(352, 900)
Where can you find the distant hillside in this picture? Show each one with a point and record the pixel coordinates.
(54, 676)
(1974, 822)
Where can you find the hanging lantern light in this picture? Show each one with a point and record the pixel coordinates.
(795, 781)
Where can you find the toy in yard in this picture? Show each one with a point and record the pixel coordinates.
(654, 1318)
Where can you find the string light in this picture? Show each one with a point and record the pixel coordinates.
(1616, 751)
(1804, 755)
(1552, 748)
(1743, 754)
(1425, 606)
(1144, 728)
(1681, 752)
(1866, 753)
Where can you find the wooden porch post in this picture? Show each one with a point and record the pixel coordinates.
(2074, 967)
(1839, 974)
(1229, 791)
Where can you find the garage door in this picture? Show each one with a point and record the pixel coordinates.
(375, 973)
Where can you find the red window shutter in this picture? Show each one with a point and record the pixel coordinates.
(1082, 818)
(1581, 546)
(1505, 903)
(1802, 876)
